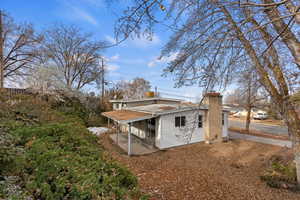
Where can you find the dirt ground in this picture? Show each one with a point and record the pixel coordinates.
(199, 171)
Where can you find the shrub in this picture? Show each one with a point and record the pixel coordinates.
(64, 161)
(70, 106)
(8, 150)
(281, 174)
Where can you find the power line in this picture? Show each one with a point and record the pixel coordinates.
(170, 94)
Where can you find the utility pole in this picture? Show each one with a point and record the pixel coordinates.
(155, 93)
(1, 53)
(103, 82)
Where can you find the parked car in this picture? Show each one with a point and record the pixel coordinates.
(260, 116)
(237, 114)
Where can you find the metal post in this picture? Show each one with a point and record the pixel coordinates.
(102, 81)
(129, 140)
(118, 129)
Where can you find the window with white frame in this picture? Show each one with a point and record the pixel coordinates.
(179, 121)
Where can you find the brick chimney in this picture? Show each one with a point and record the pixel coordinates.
(213, 125)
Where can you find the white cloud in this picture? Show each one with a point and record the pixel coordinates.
(83, 15)
(162, 60)
(74, 11)
(112, 67)
(96, 3)
(115, 57)
(110, 39)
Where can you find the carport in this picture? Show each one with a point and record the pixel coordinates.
(128, 117)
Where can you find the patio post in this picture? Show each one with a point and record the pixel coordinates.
(118, 129)
(129, 140)
(108, 121)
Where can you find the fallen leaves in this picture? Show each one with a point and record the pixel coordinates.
(200, 171)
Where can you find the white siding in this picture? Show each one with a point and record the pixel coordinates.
(168, 135)
(225, 126)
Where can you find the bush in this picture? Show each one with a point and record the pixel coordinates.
(8, 150)
(281, 174)
(71, 107)
(63, 161)
(46, 148)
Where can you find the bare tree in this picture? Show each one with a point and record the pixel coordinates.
(44, 79)
(248, 93)
(115, 91)
(213, 38)
(18, 44)
(134, 89)
(74, 54)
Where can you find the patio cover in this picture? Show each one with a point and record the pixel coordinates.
(127, 116)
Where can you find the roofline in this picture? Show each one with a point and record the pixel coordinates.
(144, 99)
(167, 111)
(131, 120)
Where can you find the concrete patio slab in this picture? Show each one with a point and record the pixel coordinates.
(138, 147)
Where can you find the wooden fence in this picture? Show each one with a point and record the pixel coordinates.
(16, 91)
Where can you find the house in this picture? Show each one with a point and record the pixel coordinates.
(165, 123)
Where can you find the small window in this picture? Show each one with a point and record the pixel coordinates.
(179, 121)
(200, 122)
(223, 118)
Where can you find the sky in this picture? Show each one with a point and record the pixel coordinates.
(137, 57)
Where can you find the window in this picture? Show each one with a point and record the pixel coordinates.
(223, 118)
(179, 121)
(200, 122)
(182, 121)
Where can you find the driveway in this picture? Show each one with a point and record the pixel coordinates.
(282, 143)
(267, 128)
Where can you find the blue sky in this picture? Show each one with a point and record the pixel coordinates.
(133, 58)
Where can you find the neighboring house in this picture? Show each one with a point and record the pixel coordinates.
(165, 123)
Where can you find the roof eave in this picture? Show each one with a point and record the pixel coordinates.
(130, 120)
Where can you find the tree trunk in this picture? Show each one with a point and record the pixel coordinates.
(248, 119)
(293, 122)
(284, 105)
(1, 54)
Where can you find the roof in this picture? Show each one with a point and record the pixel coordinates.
(160, 109)
(138, 113)
(126, 116)
(144, 99)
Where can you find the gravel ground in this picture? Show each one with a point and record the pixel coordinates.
(199, 171)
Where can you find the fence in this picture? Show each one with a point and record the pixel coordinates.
(16, 91)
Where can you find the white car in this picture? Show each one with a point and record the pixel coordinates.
(260, 116)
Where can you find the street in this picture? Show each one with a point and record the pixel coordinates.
(267, 128)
